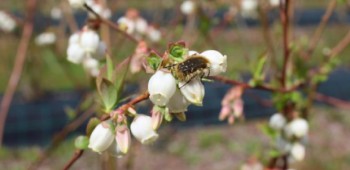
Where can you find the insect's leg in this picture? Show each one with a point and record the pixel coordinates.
(188, 81)
(168, 67)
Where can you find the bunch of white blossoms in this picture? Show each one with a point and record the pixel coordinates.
(7, 23)
(86, 48)
(46, 38)
(116, 138)
(176, 95)
(292, 136)
(135, 25)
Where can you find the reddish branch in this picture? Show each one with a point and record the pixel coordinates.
(284, 11)
(259, 87)
(120, 110)
(332, 101)
(18, 65)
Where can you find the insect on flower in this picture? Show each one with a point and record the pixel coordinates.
(190, 68)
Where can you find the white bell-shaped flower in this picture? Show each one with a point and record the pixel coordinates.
(188, 7)
(178, 103)
(218, 62)
(193, 91)
(101, 138)
(296, 128)
(77, 4)
(142, 130)
(46, 38)
(297, 151)
(75, 53)
(74, 38)
(277, 121)
(101, 51)
(128, 24)
(89, 40)
(161, 87)
(141, 25)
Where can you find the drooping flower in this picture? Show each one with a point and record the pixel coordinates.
(297, 151)
(193, 91)
(296, 128)
(161, 86)
(157, 117)
(101, 138)
(75, 53)
(142, 130)
(218, 62)
(123, 138)
(89, 40)
(188, 7)
(178, 103)
(277, 121)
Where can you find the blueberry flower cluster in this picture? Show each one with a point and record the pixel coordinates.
(86, 48)
(291, 135)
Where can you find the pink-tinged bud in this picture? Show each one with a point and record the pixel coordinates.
(157, 117)
(225, 112)
(231, 119)
(141, 128)
(296, 128)
(218, 62)
(178, 103)
(193, 91)
(101, 138)
(277, 121)
(238, 106)
(161, 87)
(123, 138)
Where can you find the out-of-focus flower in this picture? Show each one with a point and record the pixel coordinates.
(277, 121)
(126, 24)
(56, 13)
(101, 138)
(237, 107)
(188, 7)
(46, 38)
(297, 151)
(193, 91)
(283, 145)
(249, 8)
(92, 66)
(89, 40)
(75, 53)
(275, 3)
(7, 23)
(97, 7)
(218, 62)
(296, 128)
(161, 86)
(141, 25)
(101, 51)
(154, 34)
(142, 129)
(178, 103)
(77, 4)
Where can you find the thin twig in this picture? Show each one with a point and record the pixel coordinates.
(18, 65)
(284, 15)
(120, 110)
(332, 101)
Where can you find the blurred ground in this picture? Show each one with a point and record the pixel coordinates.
(214, 147)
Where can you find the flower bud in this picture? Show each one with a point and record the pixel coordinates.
(193, 91)
(161, 86)
(141, 25)
(277, 121)
(77, 4)
(238, 106)
(157, 117)
(101, 138)
(297, 151)
(218, 62)
(225, 112)
(75, 53)
(296, 128)
(123, 138)
(89, 41)
(188, 7)
(141, 128)
(178, 103)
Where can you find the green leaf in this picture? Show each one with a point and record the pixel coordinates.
(268, 131)
(110, 67)
(81, 142)
(177, 51)
(108, 93)
(259, 68)
(154, 61)
(93, 122)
